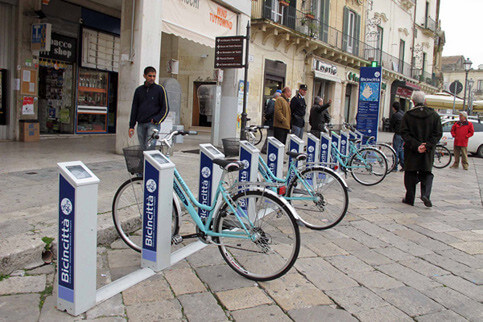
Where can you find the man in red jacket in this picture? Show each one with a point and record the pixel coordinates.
(461, 131)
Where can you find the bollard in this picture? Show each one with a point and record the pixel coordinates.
(209, 176)
(77, 241)
(157, 211)
(275, 151)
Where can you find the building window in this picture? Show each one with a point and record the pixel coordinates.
(352, 27)
(480, 85)
(277, 11)
(423, 65)
(380, 34)
(402, 44)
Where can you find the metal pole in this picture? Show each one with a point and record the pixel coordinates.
(454, 99)
(464, 97)
(245, 88)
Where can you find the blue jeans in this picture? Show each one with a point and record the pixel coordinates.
(145, 130)
(298, 131)
(397, 143)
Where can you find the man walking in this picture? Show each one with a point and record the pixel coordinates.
(298, 107)
(319, 116)
(461, 131)
(281, 120)
(268, 114)
(421, 130)
(149, 109)
(397, 141)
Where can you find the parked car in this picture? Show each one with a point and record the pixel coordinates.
(475, 143)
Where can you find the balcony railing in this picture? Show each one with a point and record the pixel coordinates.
(429, 24)
(425, 77)
(314, 28)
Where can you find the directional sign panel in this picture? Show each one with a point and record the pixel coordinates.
(229, 52)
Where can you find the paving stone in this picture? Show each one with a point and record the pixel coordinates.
(243, 298)
(462, 257)
(285, 250)
(268, 313)
(50, 313)
(356, 299)
(23, 307)
(410, 301)
(442, 237)
(362, 237)
(438, 227)
(455, 301)
(324, 250)
(375, 279)
(321, 313)
(153, 289)
(467, 235)
(331, 279)
(349, 264)
(202, 307)
(117, 273)
(110, 307)
(293, 291)
(423, 267)
(457, 283)
(441, 316)
(22, 284)
(372, 257)
(385, 313)
(446, 263)
(155, 311)
(222, 278)
(394, 253)
(468, 224)
(46, 269)
(184, 281)
(473, 276)
(208, 256)
(471, 247)
(349, 244)
(109, 319)
(123, 258)
(408, 276)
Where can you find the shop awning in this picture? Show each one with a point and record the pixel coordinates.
(322, 75)
(443, 101)
(198, 21)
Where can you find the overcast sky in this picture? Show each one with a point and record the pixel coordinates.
(461, 22)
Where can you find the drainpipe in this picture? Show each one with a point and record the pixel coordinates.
(414, 38)
(131, 50)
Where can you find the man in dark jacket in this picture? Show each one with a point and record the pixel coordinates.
(149, 108)
(268, 115)
(298, 108)
(421, 130)
(397, 141)
(319, 116)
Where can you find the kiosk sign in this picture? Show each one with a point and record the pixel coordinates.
(324, 148)
(150, 212)
(206, 181)
(369, 98)
(66, 240)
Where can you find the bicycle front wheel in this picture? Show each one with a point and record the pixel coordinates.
(390, 154)
(320, 198)
(127, 213)
(442, 157)
(269, 238)
(368, 166)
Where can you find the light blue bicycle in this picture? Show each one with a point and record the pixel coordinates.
(254, 228)
(318, 194)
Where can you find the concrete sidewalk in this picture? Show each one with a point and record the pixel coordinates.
(385, 261)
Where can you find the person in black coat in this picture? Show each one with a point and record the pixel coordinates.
(298, 108)
(268, 116)
(421, 130)
(397, 141)
(319, 116)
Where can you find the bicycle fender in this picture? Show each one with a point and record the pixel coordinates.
(176, 203)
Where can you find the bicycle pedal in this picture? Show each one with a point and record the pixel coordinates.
(176, 239)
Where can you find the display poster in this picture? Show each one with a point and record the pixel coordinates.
(369, 99)
(28, 105)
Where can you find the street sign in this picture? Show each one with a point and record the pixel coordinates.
(456, 87)
(369, 98)
(229, 52)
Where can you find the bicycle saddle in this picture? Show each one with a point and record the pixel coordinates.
(229, 165)
(355, 140)
(297, 156)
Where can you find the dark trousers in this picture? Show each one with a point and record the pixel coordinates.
(397, 144)
(280, 134)
(269, 133)
(411, 179)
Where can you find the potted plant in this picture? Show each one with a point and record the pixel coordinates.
(310, 15)
(284, 3)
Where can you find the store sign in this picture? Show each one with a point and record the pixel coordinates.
(325, 67)
(41, 34)
(229, 52)
(404, 92)
(61, 48)
(369, 98)
(353, 77)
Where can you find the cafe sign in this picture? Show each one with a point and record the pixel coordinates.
(324, 67)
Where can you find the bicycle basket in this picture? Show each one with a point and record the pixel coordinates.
(231, 147)
(134, 159)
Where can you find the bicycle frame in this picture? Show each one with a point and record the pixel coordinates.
(342, 158)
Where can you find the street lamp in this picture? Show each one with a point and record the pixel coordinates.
(467, 64)
(471, 82)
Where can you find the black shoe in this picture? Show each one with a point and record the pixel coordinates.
(407, 203)
(426, 201)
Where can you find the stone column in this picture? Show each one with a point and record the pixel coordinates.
(342, 101)
(146, 51)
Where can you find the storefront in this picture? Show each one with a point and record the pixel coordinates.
(326, 76)
(351, 96)
(273, 79)
(401, 92)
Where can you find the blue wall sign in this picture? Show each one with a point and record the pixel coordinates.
(151, 187)
(206, 182)
(369, 99)
(324, 149)
(66, 240)
(272, 156)
(311, 150)
(344, 142)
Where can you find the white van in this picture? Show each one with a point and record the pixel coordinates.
(475, 143)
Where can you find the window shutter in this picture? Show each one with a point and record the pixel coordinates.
(267, 9)
(325, 19)
(357, 36)
(345, 30)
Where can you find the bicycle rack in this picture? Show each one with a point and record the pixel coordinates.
(209, 176)
(344, 142)
(295, 145)
(313, 148)
(325, 148)
(275, 154)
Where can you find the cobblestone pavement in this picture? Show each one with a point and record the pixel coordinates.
(386, 261)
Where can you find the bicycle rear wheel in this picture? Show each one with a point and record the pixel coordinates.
(368, 166)
(442, 157)
(127, 213)
(390, 154)
(273, 243)
(329, 201)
